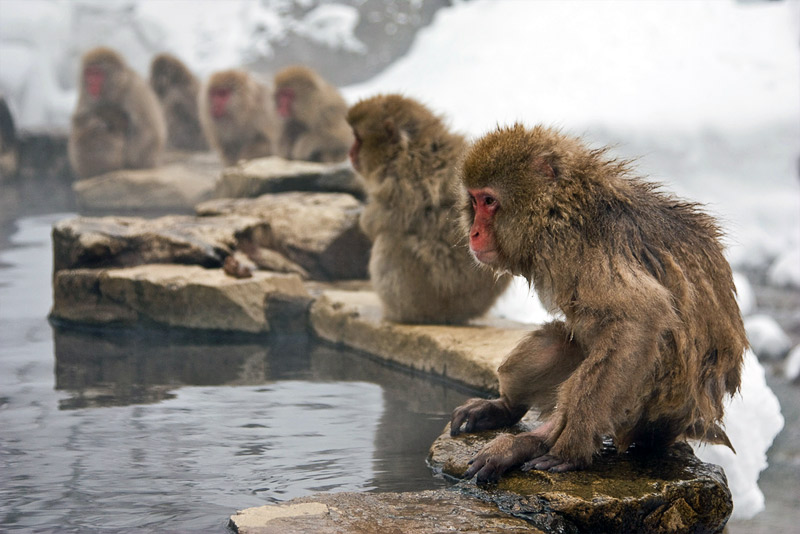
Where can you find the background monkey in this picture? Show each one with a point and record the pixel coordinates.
(236, 114)
(312, 114)
(419, 265)
(177, 90)
(652, 338)
(118, 122)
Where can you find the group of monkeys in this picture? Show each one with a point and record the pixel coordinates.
(650, 338)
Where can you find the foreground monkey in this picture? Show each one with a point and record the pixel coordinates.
(236, 114)
(419, 266)
(177, 89)
(652, 337)
(312, 117)
(118, 122)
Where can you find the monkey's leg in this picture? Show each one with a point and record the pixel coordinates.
(605, 391)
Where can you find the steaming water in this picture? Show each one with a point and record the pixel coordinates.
(126, 431)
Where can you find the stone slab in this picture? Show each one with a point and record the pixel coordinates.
(467, 354)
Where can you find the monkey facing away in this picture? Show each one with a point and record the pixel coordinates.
(177, 90)
(419, 265)
(312, 117)
(118, 122)
(652, 337)
(236, 114)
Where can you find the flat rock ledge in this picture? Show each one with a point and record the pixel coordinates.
(666, 492)
(256, 177)
(181, 182)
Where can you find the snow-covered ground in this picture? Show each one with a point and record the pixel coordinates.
(704, 92)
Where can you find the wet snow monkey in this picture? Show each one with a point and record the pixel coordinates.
(420, 265)
(118, 122)
(236, 114)
(312, 117)
(177, 89)
(652, 337)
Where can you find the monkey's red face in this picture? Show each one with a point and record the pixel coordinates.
(283, 102)
(219, 97)
(95, 77)
(482, 244)
(354, 152)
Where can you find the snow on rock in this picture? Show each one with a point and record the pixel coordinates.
(520, 303)
(744, 294)
(767, 338)
(785, 270)
(791, 367)
(752, 420)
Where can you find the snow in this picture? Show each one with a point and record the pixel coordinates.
(744, 294)
(791, 368)
(767, 338)
(705, 93)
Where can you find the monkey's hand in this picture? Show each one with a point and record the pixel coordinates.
(552, 463)
(483, 414)
(502, 454)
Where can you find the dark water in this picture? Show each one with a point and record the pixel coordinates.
(153, 431)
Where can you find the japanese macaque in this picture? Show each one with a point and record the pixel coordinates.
(118, 122)
(652, 337)
(177, 90)
(312, 117)
(236, 113)
(419, 265)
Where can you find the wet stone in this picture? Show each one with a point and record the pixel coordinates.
(638, 491)
(274, 175)
(426, 512)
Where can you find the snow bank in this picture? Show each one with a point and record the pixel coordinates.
(766, 337)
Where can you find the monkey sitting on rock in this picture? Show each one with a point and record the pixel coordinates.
(420, 265)
(652, 338)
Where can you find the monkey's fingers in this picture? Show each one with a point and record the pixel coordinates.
(549, 462)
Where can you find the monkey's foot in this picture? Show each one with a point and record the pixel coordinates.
(502, 454)
(483, 414)
(550, 462)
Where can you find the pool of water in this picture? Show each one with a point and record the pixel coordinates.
(148, 431)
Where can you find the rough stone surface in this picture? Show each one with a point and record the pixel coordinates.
(127, 241)
(467, 354)
(426, 512)
(664, 492)
(177, 185)
(317, 231)
(274, 175)
(185, 296)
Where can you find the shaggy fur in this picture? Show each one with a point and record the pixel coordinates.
(177, 89)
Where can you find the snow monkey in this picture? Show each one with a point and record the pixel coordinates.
(420, 265)
(236, 113)
(118, 122)
(652, 337)
(177, 89)
(312, 117)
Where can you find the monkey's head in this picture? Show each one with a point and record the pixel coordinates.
(167, 71)
(225, 90)
(385, 126)
(518, 184)
(102, 73)
(296, 88)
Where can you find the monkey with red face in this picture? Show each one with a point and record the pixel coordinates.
(118, 122)
(652, 338)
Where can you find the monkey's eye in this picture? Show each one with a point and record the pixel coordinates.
(489, 201)
(473, 201)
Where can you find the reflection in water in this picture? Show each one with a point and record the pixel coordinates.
(149, 431)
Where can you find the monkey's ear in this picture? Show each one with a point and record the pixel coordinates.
(391, 130)
(541, 165)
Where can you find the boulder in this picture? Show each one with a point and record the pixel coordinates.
(256, 177)
(671, 491)
(183, 296)
(425, 512)
(91, 242)
(317, 231)
(467, 354)
(174, 186)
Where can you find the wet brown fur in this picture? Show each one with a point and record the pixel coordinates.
(420, 264)
(248, 129)
(317, 131)
(122, 128)
(652, 338)
(177, 89)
